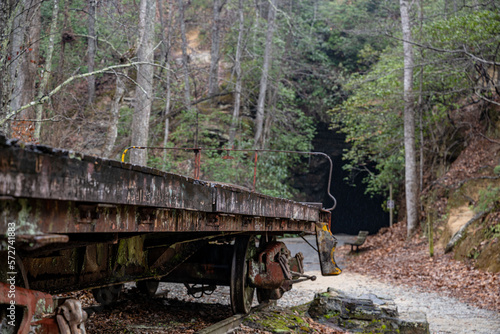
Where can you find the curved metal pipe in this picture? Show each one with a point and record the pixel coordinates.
(198, 149)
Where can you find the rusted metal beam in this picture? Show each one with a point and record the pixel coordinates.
(28, 310)
(41, 216)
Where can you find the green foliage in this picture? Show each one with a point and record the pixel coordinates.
(347, 28)
(473, 32)
(496, 170)
(493, 232)
(371, 116)
(488, 198)
(371, 120)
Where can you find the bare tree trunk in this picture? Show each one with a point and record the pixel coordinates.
(411, 179)
(420, 101)
(259, 120)
(213, 86)
(187, 90)
(8, 11)
(256, 26)
(65, 38)
(48, 68)
(17, 74)
(91, 50)
(115, 115)
(166, 48)
(25, 45)
(144, 91)
(237, 70)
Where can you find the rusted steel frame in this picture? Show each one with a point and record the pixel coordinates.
(90, 182)
(197, 151)
(103, 265)
(29, 306)
(211, 264)
(40, 217)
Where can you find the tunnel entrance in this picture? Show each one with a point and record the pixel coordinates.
(355, 210)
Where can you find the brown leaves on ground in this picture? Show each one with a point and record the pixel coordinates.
(139, 314)
(390, 257)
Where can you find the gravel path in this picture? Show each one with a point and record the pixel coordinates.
(445, 315)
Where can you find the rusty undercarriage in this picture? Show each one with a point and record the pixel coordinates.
(71, 222)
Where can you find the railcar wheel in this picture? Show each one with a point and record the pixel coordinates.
(108, 294)
(148, 287)
(241, 292)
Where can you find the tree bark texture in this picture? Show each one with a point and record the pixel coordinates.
(8, 12)
(47, 69)
(259, 119)
(91, 50)
(411, 178)
(166, 50)
(115, 115)
(144, 91)
(237, 70)
(187, 90)
(24, 52)
(213, 78)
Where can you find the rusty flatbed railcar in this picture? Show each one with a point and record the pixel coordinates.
(69, 221)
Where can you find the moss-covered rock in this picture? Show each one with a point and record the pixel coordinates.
(365, 314)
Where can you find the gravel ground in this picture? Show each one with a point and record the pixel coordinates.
(445, 315)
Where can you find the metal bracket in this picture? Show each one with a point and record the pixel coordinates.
(326, 249)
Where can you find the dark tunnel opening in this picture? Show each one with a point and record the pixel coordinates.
(355, 210)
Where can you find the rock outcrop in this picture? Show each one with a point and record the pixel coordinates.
(365, 314)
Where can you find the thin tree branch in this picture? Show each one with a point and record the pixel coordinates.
(68, 81)
(486, 99)
(98, 39)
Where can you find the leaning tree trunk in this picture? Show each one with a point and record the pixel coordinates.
(237, 70)
(259, 120)
(91, 50)
(144, 89)
(411, 178)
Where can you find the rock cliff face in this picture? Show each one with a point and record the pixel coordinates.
(355, 210)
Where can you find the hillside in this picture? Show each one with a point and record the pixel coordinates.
(467, 192)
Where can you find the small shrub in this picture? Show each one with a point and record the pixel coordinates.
(488, 198)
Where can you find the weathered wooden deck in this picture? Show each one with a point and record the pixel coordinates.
(48, 190)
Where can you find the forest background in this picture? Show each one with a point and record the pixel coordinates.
(99, 76)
